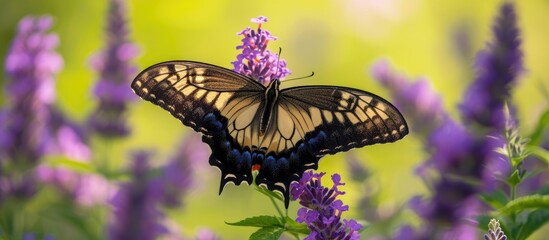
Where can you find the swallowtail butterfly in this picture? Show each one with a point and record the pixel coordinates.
(279, 132)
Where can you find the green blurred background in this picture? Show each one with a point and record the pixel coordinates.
(337, 39)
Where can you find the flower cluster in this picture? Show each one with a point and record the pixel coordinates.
(256, 61)
(454, 152)
(137, 203)
(460, 153)
(484, 107)
(136, 213)
(418, 100)
(322, 210)
(31, 130)
(83, 188)
(115, 75)
(498, 67)
(31, 64)
(177, 175)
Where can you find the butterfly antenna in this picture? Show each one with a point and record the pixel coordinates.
(278, 69)
(298, 78)
(278, 61)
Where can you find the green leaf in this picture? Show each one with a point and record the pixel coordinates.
(295, 227)
(534, 221)
(539, 153)
(496, 199)
(537, 136)
(74, 165)
(543, 190)
(483, 221)
(506, 229)
(267, 233)
(259, 221)
(514, 179)
(526, 202)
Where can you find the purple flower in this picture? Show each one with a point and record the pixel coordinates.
(358, 172)
(30, 127)
(458, 153)
(454, 152)
(177, 176)
(31, 64)
(416, 100)
(451, 143)
(498, 67)
(115, 74)
(68, 138)
(322, 210)
(69, 143)
(407, 232)
(83, 188)
(256, 61)
(206, 234)
(135, 205)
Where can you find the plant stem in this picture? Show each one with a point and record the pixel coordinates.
(276, 206)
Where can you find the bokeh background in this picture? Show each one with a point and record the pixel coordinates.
(338, 40)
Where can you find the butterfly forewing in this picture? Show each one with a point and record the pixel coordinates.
(190, 90)
(349, 117)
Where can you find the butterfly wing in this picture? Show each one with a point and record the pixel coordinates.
(211, 100)
(190, 90)
(349, 117)
(313, 121)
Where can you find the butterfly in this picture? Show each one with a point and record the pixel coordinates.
(278, 132)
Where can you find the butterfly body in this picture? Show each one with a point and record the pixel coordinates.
(271, 97)
(279, 132)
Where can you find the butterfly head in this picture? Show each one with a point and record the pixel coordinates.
(274, 86)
